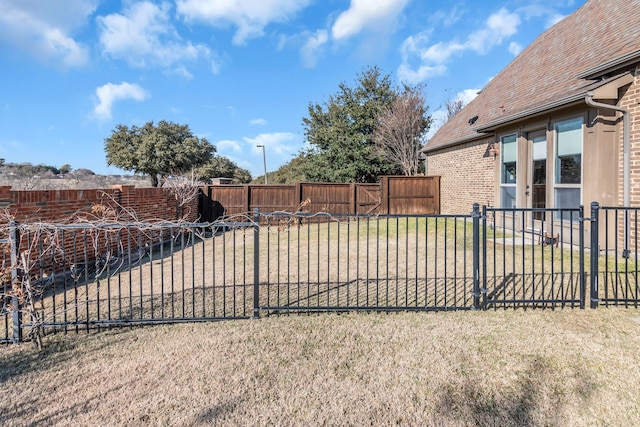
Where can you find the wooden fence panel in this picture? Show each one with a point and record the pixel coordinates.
(412, 194)
(230, 197)
(273, 198)
(368, 198)
(393, 195)
(336, 198)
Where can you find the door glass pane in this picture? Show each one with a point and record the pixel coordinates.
(539, 187)
(539, 175)
(539, 147)
(509, 155)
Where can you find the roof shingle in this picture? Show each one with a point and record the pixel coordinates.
(547, 71)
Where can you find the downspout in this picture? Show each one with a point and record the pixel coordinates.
(626, 127)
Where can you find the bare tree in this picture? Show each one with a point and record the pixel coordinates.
(184, 190)
(398, 134)
(453, 107)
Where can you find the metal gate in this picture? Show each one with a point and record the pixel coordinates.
(527, 262)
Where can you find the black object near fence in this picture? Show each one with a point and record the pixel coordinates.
(63, 278)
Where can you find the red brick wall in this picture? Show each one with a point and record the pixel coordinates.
(146, 204)
(124, 204)
(467, 174)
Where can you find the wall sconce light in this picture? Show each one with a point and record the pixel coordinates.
(494, 150)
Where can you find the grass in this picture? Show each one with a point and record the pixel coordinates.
(504, 367)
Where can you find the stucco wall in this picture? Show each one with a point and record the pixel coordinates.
(467, 175)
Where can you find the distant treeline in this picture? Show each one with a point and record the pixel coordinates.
(27, 176)
(28, 169)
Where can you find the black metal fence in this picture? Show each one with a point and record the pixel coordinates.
(88, 276)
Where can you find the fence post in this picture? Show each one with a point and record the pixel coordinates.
(581, 256)
(475, 215)
(484, 257)
(14, 243)
(256, 264)
(595, 249)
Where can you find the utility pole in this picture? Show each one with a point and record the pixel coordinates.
(264, 160)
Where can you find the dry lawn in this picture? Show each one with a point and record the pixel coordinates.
(494, 368)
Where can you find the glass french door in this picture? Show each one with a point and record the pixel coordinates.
(536, 190)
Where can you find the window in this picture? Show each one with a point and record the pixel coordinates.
(508, 171)
(568, 165)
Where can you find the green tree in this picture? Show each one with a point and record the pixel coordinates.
(65, 169)
(289, 173)
(157, 151)
(222, 167)
(340, 132)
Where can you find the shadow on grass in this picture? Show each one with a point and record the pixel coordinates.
(25, 409)
(56, 351)
(539, 396)
(216, 413)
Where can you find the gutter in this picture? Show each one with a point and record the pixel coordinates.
(617, 63)
(487, 129)
(546, 108)
(625, 172)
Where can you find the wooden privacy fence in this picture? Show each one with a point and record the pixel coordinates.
(392, 195)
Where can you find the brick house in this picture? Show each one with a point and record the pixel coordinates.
(541, 134)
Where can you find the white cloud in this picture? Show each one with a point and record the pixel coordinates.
(276, 142)
(311, 48)
(143, 35)
(258, 122)
(447, 18)
(438, 118)
(228, 145)
(380, 14)
(215, 67)
(249, 16)
(432, 59)
(43, 29)
(181, 70)
(110, 93)
(407, 74)
(500, 25)
(515, 48)
(467, 95)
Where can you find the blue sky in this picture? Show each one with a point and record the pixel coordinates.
(239, 72)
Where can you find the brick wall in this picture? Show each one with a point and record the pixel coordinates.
(147, 204)
(630, 101)
(466, 175)
(83, 246)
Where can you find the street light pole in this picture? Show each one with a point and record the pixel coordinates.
(264, 159)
